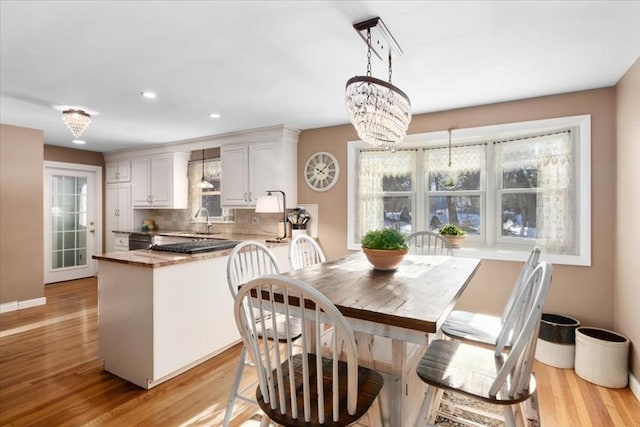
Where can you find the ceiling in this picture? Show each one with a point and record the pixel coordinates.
(264, 63)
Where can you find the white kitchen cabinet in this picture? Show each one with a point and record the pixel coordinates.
(119, 171)
(160, 181)
(121, 242)
(157, 322)
(118, 213)
(249, 170)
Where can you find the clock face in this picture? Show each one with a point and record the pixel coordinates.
(321, 171)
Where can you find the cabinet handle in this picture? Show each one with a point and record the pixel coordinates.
(245, 197)
(117, 212)
(117, 176)
(250, 197)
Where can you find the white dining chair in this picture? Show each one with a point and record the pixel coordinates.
(482, 373)
(248, 260)
(305, 251)
(428, 243)
(485, 329)
(300, 387)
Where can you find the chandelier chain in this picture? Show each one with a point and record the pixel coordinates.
(368, 52)
(389, 66)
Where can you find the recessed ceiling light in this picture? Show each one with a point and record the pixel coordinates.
(214, 115)
(78, 141)
(149, 95)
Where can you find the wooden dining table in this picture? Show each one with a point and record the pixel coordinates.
(405, 306)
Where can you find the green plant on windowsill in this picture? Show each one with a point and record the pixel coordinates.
(453, 234)
(384, 248)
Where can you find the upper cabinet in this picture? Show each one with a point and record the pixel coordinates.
(118, 171)
(160, 181)
(249, 170)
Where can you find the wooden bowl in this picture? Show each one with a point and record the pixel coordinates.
(384, 259)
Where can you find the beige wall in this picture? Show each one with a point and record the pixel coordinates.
(627, 265)
(21, 214)
(583, 292)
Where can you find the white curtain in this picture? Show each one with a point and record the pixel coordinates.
(551, 155)
(463, 159)
(373, 166)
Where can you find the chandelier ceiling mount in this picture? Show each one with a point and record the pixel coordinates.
(378, 110)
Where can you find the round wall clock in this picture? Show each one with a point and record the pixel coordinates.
(321, 171)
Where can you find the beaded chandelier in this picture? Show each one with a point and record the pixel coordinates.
(378, 110)
(77, 121)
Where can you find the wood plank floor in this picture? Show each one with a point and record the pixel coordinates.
(50, 374)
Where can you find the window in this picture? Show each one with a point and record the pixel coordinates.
(208, 198)
(508, 186)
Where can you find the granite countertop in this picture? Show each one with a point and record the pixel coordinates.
(153, 259)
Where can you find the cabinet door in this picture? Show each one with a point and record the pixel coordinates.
(234, 176)
(125, 212)
(140, 179)
(263, 170)
(119, 171)
(161, 181)
(118, 212)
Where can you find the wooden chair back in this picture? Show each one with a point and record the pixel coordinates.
(248, 260)
(530, 264)
(524, 322)
(298, 386)
(428, 243)
(304, 251)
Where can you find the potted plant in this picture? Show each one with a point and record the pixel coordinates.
(453, 234)
(384, 248)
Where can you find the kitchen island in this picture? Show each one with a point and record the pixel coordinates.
(162, 313)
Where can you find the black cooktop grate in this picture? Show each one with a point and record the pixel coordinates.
(197, 246)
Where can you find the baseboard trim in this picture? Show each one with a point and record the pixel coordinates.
(19, 305)
(634, 385)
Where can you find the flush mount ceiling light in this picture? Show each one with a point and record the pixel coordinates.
(148, 94)
(378, 110)
(76, 120)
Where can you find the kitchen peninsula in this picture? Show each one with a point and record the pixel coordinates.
(161, 313)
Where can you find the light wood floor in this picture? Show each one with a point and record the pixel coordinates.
(50, 375)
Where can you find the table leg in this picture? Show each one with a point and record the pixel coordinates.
(398, 382)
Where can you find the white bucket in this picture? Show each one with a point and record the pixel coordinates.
(602, 357)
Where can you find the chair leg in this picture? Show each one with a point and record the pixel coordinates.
(364, 343)
(233, 394)
(509, 417)
(430, 405)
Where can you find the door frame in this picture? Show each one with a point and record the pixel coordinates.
(97, 200)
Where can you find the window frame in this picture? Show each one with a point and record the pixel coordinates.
(580, 127)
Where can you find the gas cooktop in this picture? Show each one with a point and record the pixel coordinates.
(197, 246)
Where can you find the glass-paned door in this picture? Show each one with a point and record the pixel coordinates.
(69, 225)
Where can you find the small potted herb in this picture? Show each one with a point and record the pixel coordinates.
(384, 248)
(453, 234)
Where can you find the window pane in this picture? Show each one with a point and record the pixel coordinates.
(397, 213)
(519, 215)
(397, 183)
(464, 211)
(520, 178)
(379, 174)
(455, 180)
(459, 171)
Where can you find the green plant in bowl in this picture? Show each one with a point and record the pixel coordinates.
(384, 248)
(451, 230)
(453, 234)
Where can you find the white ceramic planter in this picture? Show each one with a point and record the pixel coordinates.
(602, 357)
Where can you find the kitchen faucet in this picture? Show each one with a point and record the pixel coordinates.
(203, 209)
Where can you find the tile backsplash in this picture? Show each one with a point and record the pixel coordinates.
(182, 220)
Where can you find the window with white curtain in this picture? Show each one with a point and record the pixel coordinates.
(510, 187)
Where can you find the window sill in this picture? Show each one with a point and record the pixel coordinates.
(513, 254)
